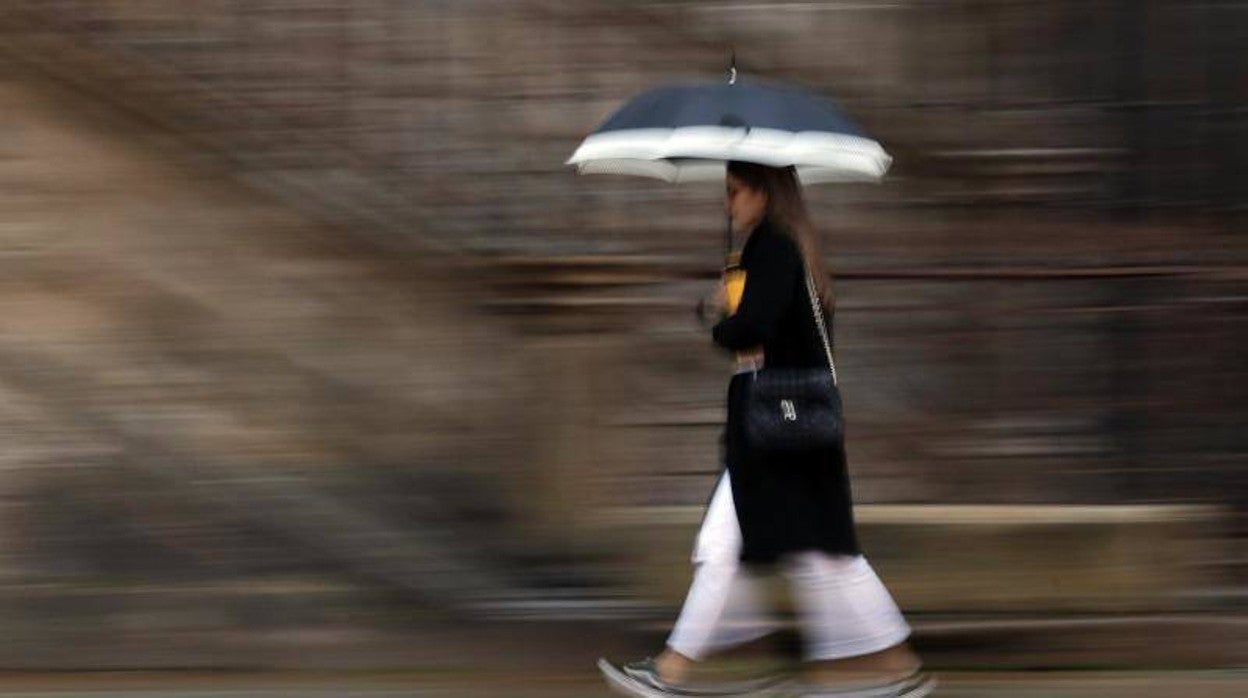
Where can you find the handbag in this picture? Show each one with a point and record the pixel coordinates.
(795, 410)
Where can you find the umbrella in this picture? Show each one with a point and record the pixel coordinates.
(686, 132)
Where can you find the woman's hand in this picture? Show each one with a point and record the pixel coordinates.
(713, 307)
(751, 358)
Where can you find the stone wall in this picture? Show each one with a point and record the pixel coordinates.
(1005, 336)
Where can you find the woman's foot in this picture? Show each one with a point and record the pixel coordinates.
(917, 685)
(892, 664)
(893, 673)
(643, 680)
(673, 667)
(668, 675)
(639, 678)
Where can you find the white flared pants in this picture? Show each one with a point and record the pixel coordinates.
(843, 608)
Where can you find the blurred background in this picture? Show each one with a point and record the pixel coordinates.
(314, 356)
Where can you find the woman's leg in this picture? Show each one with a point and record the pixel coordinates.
(849, 620)
(726, 605)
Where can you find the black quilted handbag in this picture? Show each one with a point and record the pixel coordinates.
(794, 410)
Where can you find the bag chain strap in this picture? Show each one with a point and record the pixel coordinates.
(823, 330)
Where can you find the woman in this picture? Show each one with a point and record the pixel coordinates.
(795, 516)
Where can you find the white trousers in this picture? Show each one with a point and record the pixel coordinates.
(843, 608)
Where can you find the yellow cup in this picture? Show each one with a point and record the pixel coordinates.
(734, 284)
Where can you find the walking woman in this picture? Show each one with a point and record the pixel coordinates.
(794, 516)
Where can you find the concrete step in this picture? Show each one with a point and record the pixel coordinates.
(983, 558)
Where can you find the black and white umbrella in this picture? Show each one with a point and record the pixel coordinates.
(684, 133)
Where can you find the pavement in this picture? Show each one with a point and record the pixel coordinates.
(1180, 684)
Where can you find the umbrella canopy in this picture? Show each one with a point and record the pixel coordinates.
(682, 133)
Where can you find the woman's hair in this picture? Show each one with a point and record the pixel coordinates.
(786, 208)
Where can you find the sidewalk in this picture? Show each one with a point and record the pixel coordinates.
(1178, 684)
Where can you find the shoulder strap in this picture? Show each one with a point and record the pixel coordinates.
(823, 330)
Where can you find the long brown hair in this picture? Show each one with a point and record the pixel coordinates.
(786, 208)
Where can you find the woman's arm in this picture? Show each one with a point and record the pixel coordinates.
(770, 279)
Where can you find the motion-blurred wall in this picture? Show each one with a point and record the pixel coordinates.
(427, 352)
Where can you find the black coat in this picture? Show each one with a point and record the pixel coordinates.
(803, 503)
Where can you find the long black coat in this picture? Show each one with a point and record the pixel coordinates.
(804, 502)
